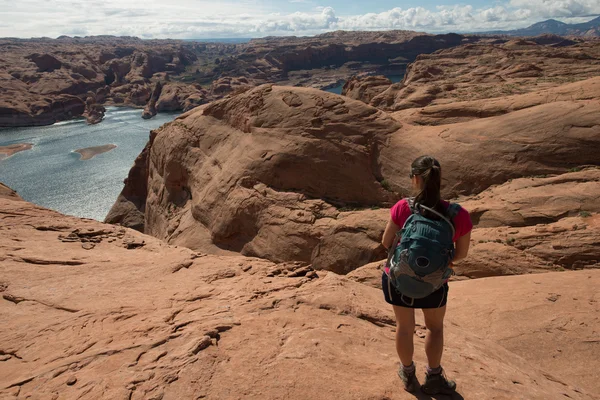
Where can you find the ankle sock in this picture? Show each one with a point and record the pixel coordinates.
(434, 371)
(410, 369)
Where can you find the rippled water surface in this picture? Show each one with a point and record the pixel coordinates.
(52, 175)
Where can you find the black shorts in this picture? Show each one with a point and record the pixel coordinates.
(436, 299)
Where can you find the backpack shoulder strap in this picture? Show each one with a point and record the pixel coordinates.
(441, 216)
(412, 205)
(453, 210)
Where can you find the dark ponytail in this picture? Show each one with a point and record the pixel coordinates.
(429, 169)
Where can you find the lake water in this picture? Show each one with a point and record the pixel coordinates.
(52, 175)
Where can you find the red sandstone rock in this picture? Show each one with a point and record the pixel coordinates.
(292, 168)
(15, 111)
(229, 85)
(462, 111)
(159, 321)
(180, 97)
(36, 74)
(150, 110)
(45, 62)
(568, 339)
(483, 71)
(365, 88)
(278, 154)
(531, 201)
(546, 139)
(94, 113)
(82, 66)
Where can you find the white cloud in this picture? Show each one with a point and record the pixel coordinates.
(558, 8)
(204, 18)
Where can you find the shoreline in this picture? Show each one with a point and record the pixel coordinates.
(115, 106)
(11, 149)
(90, 152)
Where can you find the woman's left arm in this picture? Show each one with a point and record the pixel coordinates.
(389, 234)
(462, 247)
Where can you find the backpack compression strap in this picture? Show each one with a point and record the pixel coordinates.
(392, 248)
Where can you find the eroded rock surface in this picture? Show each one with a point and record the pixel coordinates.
(155, 321)
(482, 71)
(43, 81)
(366, 88)
(537, 200)
(269, 163)
(270, 172)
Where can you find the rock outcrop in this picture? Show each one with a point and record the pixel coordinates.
(15, 111)
(150, 109)
(94, 113)
(130, 206)
(483, 71)
(45, 62)
(290, 174)
(339, 48)
(174, 97)
(180, 97)
(461, 111)
(539, 200)
(365, 88)
(228, 85)
(546, 139)
(276, 154)
(129, 316)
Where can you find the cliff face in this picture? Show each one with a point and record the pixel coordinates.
(130, 206)
(45, 111)
(336, 50)
(365, 88)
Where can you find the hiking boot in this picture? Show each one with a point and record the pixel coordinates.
(409, 379)
(438, 384)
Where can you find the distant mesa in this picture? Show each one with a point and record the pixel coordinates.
(91, 152)
(7, 151)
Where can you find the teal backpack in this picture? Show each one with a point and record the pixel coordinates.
(419, 259)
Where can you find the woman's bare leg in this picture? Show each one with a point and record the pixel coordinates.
(405, 329)
(434, 341)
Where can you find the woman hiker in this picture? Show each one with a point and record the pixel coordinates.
(426, 181)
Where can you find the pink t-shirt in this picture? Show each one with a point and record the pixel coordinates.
(462, 221)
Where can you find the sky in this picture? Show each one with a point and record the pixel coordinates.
(198, 19)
